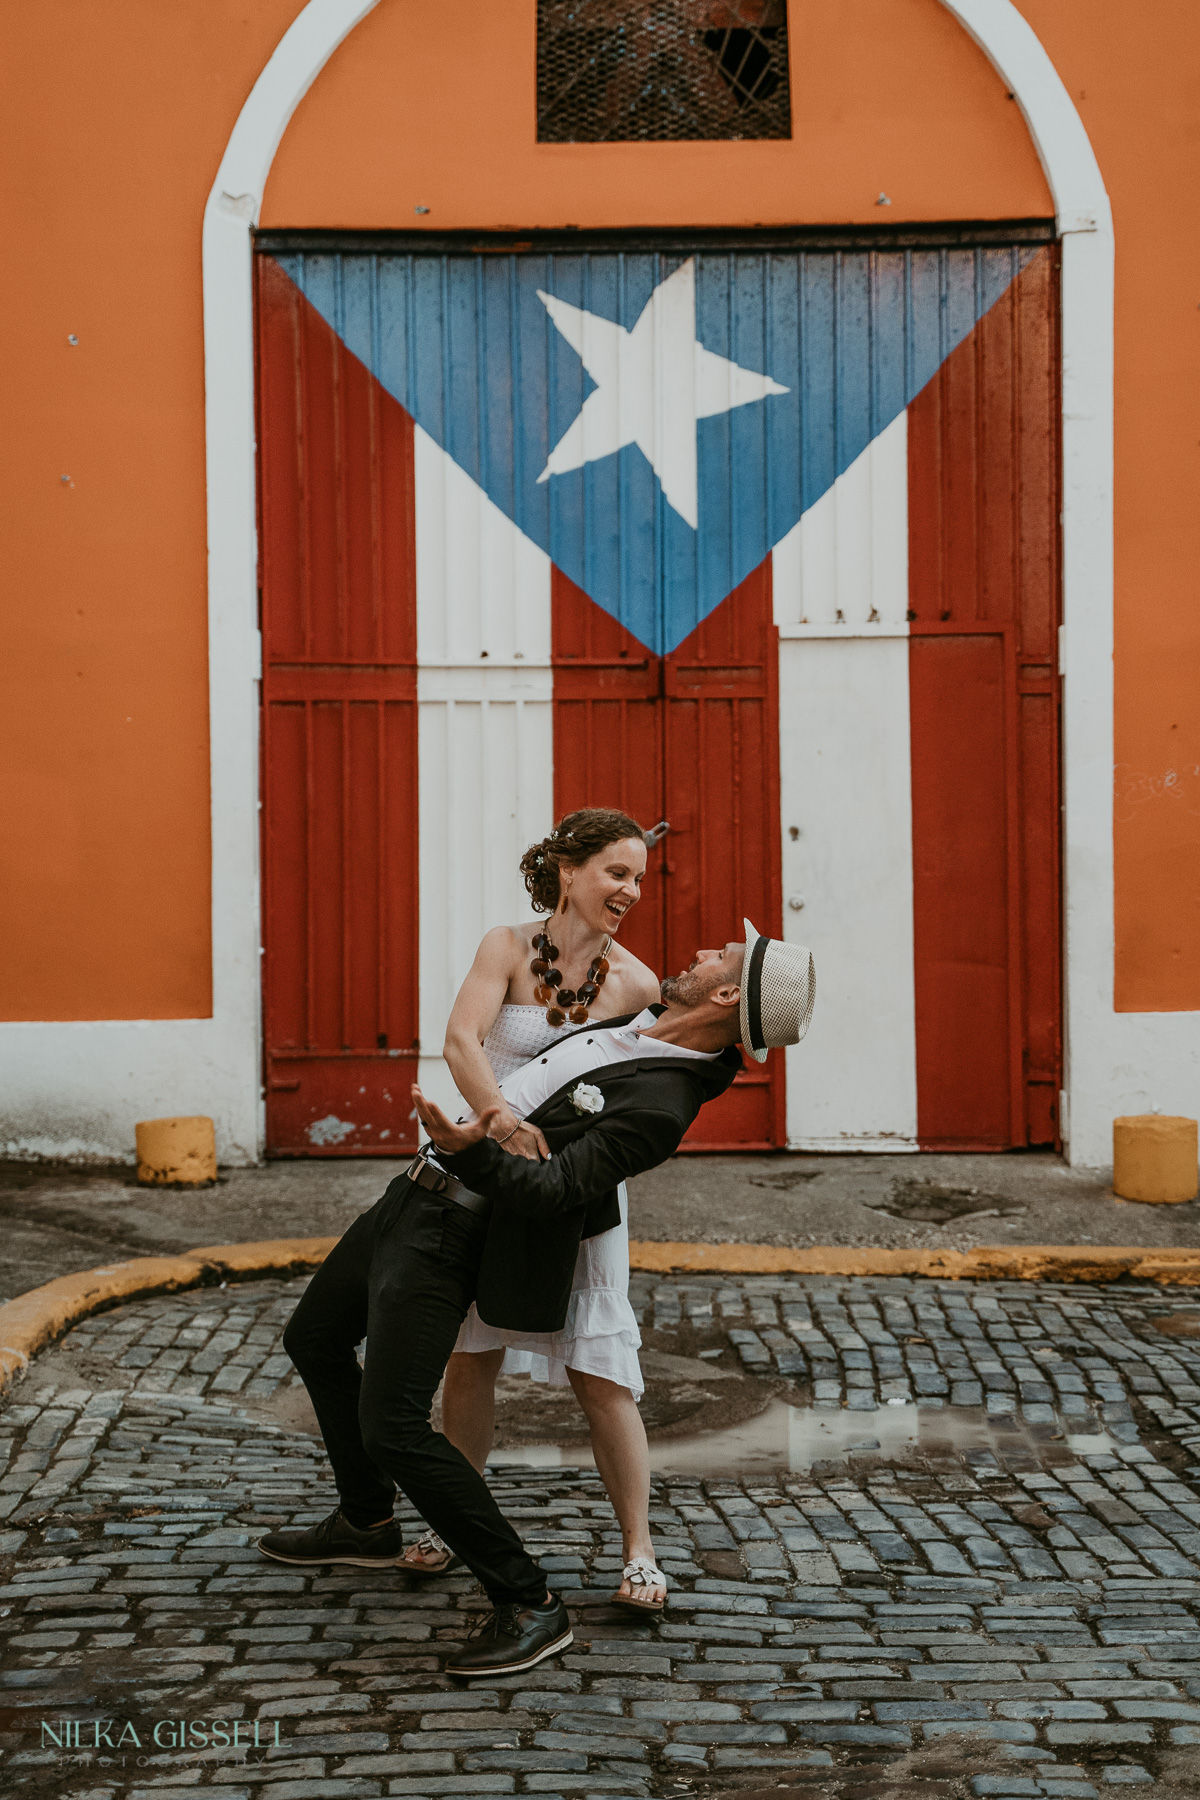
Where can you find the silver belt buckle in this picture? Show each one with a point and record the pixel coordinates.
(418, 1167)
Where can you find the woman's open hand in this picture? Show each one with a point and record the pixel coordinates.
(444, 1133)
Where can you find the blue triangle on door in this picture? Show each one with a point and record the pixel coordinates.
(491, 356)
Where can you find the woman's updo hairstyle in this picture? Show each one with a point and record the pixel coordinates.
(574, 841)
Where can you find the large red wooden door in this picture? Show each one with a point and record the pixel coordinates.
(480, 351)
(693, 738)
(984, 693)
(339, 740)
(608, 739)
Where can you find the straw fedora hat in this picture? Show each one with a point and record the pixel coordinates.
(779, 985)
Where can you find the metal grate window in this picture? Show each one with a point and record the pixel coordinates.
(621, 70)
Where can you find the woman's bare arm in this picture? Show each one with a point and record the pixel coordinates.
(474, 1013)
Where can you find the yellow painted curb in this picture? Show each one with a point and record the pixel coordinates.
(33, 1320)
(1000, 1262)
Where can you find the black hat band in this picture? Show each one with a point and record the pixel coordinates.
(754, 994)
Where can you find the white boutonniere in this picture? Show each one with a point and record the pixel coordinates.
(587, 1099)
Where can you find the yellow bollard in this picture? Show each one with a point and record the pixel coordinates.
(1154, 1159)
(179, 1152)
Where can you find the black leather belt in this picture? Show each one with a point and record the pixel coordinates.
(446, 1187)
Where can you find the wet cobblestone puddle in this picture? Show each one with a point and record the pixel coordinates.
(967, 1562)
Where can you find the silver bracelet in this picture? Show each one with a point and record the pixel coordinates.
(512, 1133)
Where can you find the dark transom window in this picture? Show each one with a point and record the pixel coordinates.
(613, 70)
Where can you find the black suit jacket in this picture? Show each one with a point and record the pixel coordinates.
(543, 1210)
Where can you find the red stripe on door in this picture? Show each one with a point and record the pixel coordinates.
(693, 738)
(960, 898)
(985, 698)
(608, 738)
(339, 740)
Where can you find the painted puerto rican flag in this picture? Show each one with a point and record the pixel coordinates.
(656, 426)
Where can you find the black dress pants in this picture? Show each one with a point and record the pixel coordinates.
(404, 1274)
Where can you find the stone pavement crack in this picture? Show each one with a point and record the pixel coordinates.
(1014, 1611)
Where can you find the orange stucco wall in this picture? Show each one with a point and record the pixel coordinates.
(112, 121)
(114, 118)
(886, 95)
(1131, 73)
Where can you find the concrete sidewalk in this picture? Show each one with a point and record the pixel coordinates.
(57, 1220)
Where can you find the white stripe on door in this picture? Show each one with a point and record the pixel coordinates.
(840, 580)
(485, 732)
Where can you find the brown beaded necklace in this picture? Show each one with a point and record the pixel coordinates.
(565, 1003)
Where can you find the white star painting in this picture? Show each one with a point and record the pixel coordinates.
(652, 384)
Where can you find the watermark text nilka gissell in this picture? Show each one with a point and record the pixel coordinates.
(118, 1735)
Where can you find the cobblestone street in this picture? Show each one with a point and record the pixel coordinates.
(1004, 1605)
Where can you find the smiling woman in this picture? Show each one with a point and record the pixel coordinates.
(525, 980)
(587, 874)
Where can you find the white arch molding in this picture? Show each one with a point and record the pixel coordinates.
(1115, 1062)
(1085, 222)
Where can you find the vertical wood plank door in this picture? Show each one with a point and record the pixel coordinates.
(339, 741)
(557, 497)
(609, 739)
(721, 723)
(985, 700)
(693, 738)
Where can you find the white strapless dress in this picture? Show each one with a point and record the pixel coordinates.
(600, 1336)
